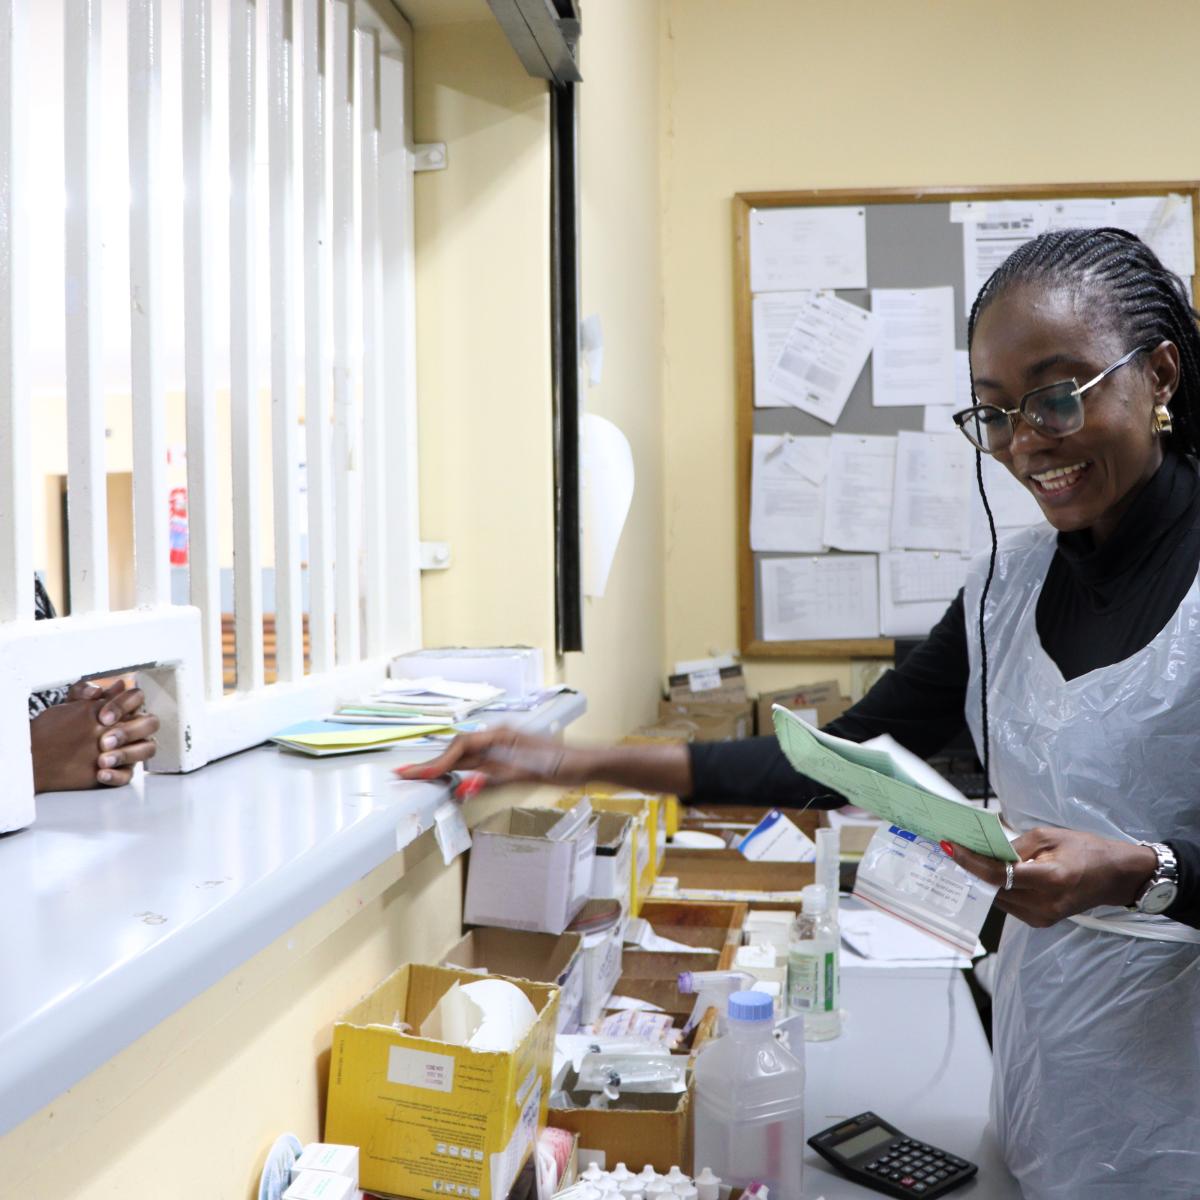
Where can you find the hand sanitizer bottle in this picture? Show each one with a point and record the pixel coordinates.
(812, 972)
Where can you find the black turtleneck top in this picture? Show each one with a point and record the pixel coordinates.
(1098, 605)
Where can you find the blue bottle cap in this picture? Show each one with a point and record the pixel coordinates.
(751, 1006)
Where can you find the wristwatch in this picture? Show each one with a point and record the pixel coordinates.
(1159, 894)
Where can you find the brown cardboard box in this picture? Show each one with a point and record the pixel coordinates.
(727, 870)
(635, 1129)
(686, 688)
(707, 721)
(824, 697)
(539, 957)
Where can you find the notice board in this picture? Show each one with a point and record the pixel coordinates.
(911, 240)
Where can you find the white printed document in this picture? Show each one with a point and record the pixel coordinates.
(1011, 502)
(939, 418)
(915, 589)
(823, 356)
(817, 597)
(773, 314)
(858, 492)
(913, 359)
(992, 230)
(931, 503)
(1164, 223)
(787, 493)
(808, 247)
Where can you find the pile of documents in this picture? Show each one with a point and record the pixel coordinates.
(418, 701)
(323, 739)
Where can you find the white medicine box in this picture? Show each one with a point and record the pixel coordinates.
(531, 868)
(332, 1159)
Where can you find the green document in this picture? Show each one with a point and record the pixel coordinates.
(873, 780)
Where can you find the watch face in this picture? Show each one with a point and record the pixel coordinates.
(1158, 898)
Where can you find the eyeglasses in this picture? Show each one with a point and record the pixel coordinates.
(1055, 410)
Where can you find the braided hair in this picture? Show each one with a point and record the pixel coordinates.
(1146, 303)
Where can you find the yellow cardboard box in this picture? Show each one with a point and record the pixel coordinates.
(430, 1117)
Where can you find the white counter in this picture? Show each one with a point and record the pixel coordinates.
(121, 906)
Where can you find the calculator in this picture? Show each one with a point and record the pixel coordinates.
(877, 1155)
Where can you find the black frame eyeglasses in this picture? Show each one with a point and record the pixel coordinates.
(1055, 410)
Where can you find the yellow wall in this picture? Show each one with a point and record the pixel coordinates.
(784, 94)
(483, 305)
(191, 1109)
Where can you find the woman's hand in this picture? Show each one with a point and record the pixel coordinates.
(1063, 872)
(94, 737)
(503, 755)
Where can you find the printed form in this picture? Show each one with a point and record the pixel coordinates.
(858, 492)
(774, 314)
(913, 360)
(823, 355)
(915, 588)
(787, 493)
(931, 505)
(830, 596)
(796, 248)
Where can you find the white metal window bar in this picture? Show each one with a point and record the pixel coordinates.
(332, 80)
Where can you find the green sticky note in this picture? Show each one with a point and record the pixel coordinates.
(873, 780)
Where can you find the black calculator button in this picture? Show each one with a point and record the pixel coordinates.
(955, 1162)
(919, 1188)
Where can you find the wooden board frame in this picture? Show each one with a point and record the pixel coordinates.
(751, 645)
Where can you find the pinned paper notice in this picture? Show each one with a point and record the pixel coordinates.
(451, 832)
(606, 490)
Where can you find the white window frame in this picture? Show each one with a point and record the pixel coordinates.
(363, 551)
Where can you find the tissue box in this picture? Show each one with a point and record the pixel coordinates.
(519, 878)
(432, 1118)
(541, 957)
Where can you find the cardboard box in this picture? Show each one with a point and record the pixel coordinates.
(709, 722)
(825, 698)
(612, 872)
(429, 1116)
(520, 878)
(713, 685)
(516, 669)
(766, 885)
(649, 832)
(654, 1129)
(540, 957)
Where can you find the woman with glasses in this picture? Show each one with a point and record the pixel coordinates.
(1085, 360)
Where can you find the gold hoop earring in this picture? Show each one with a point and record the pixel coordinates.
(1160, 424)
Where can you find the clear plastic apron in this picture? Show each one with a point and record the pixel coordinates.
(1096, 1022)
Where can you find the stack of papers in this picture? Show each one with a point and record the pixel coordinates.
(322, 739)
(417, 701)
(871, 777)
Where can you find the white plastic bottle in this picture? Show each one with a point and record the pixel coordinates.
(812, 974)
(750, 1102)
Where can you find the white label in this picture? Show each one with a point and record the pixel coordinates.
(812, 982)
(419, 1068)
(507, 1163)
(451, 832)
(704, 681)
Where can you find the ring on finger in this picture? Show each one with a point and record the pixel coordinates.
(1010, 872)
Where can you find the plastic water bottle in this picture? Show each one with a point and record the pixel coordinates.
(812, 971)
(750, 1102)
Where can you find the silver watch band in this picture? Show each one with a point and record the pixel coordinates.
(1166, 871)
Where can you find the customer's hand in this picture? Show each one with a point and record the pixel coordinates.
(503, 755)
(93, 738)
(1063, 872)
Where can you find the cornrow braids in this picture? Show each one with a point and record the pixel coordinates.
(1145, 302)
(1120, 274)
